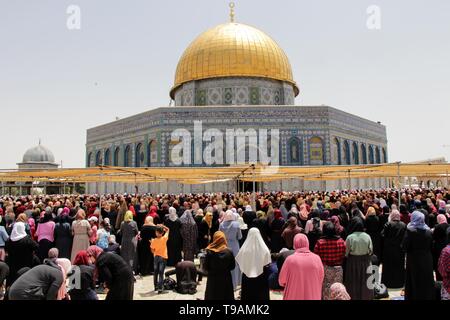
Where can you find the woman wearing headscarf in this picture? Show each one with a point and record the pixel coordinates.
(253, 260)
(313, 229)
(444, 269)
(439, 242)
(189, 233)
(154, 214)
(45, 235)
(249, 216)
(81, 231)
(147, 233)
(303, 215)
(115, 271)
(21, 249)
(43, 282)
(63, 235)
(219, 262)
(373, 229)
(175, 242)
(204, 231)
(276, 229)
(340, 230)
(358, 252)
(338, 292)
(3, 238)
(331, 250)
(262, 225)
(302, 273)
(128, 232)
(289, 233)
(405, 216)
(230, 227)
(393, 258)
(84, 289)
(417, 244)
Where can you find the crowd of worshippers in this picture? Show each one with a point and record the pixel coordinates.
(307, 245)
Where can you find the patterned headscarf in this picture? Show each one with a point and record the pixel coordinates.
(339, 292)
(219, 243)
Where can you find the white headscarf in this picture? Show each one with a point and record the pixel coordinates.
(173, 214)
(18, 231)
(254, 255)
(248, 208)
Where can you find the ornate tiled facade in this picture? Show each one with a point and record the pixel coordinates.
(234, 91)
(319, 135)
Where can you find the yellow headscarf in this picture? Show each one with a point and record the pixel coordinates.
(128, 216)
(208, 218)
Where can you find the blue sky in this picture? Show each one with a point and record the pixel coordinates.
(55, 83)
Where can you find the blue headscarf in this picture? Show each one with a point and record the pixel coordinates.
(418, 221)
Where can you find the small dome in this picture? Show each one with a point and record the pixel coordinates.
(38, 154)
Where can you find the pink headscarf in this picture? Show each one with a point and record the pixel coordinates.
(441, 219)
(65, 212)
(338, 292)
(394, 216)
(301, 243)
(66, 267)
(304, 212)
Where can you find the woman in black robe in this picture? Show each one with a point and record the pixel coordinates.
(219, 263)
(116, 273)
(63, 236)
(373, 229)
(189, 233)
(439, 242)
(276, 228)
(204, 231)
(147, 233)
(21, 251)
(393, 258)
(175, 242)
(262, 225)
(418, 243)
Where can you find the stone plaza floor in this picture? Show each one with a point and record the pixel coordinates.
(143, 290)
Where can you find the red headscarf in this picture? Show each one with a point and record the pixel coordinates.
(277, 213)
(82, 258)
(131, 208)
(94, 251)
(153, 212)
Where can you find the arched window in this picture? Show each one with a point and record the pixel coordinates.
(295, 151)
(355, 153)
(336, 152)
(107, 157)
(385, 159)
(378, 154)
(347, 158)
(316, 154)
(128, 161)
(152, 154)
(98, 159)
(363, 154)
(89, 160)
(116, 157)
(371, 155)
(140, 156)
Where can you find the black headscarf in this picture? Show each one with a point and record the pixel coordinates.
(329, 231)
(356, 225)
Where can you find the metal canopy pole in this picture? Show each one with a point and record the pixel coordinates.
(399, 186)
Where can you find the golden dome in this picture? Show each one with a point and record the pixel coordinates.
(233, 50)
